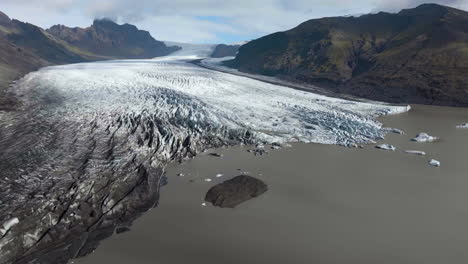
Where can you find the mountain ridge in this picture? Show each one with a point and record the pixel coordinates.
(108, 38)
(418, 55)
(25, 47)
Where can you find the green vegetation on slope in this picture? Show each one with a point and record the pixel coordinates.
(419, 55)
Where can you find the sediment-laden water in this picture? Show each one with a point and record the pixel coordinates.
(325, 204)
(85, 151)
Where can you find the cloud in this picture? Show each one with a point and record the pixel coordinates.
(201, 20)
(396, 5)
(188, 29)
(51, 5)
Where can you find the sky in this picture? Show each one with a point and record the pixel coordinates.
(201, 21)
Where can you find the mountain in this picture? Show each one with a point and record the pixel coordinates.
(107, 38)
(25, 47)
(418, 55)
(223, 50)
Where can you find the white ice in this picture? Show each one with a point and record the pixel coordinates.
(416, 152)
(463, 126)
(171, 86)
(424, 137)
(434, 163)
(386, 147)
(8, 225)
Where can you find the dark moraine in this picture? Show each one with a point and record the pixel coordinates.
(235, 191)
(71, 183)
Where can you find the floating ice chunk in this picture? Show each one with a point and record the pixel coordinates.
(463, 125)
(180, 175)
(386, 147)
(219, 175)
(434, 163)
(203, 204)
(395, 130)
(8, 225)
(216, 155)
(208, 180)
(424, 137)
(416, 152)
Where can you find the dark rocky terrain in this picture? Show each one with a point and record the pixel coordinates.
(107, 38)
(418, 55)
(223, 50)
(235, 191)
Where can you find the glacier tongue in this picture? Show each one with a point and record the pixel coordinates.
(174, 88)
(88, 146)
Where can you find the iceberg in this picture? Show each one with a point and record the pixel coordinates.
(416, 152)
(396, 131)
(424, 137)
(434, 163)
(386, 147)
(463, 125)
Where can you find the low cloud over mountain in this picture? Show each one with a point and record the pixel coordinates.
(203, 20)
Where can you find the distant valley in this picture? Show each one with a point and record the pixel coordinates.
(25, 47)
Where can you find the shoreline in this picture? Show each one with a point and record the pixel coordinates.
(321, 198)
(106, 231)
(112, 144)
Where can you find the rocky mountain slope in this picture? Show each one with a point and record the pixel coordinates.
(25, 47)
(107, 38)
(223, 50)
(418, 55)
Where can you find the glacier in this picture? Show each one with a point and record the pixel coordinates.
(85, 152)
(174, 88)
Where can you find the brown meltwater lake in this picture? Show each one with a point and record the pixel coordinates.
(325, 204)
